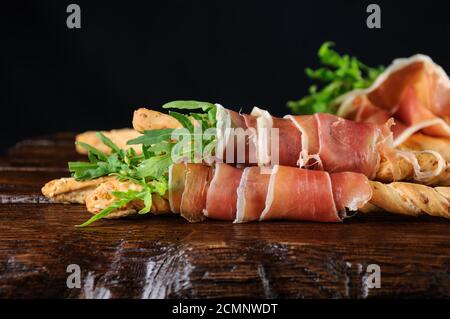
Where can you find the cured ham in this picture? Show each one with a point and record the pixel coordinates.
(320, 141)
(237, 136)
(193, 193)
(309, 196)
(253, 190)
(254, 193)
(221, 198)
(415, 91)
(350, 146)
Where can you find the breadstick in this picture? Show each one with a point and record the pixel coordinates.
(425, 167)
(145, 119)
(96, 194)
(409, 199)
(421, 142)
(68, 190)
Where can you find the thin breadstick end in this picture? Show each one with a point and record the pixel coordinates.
(431, 169)
(68, 190)
(145, 119)
(409, 199)
(421, 142)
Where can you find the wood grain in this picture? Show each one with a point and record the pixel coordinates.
(166, 257)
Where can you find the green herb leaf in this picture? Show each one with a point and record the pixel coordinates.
(99, 154)
(146, 197)
(105, 140)
(184, 120)
(160, 185)
(152, 137)
(154, 167)
(161, 148)
(123, 199)
(189, 105)
(340, 74)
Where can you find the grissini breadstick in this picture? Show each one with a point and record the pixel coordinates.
(399, 166)
(96, 194)
(145, 119)
(421, 142)
(68, 190)
(409, 199)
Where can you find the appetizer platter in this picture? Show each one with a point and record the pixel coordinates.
(384, 148)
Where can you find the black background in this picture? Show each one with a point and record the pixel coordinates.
(239, 53)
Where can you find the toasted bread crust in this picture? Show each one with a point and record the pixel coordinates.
(68, 190)
(398, 167)
(145, 119)
(409, 199)
(421, 142)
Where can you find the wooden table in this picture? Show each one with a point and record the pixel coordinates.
(159, 257)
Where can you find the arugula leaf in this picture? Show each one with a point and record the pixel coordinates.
(189, 105)
(160, 185)
(84, 170)
(339, 75)
(123, 199)
(161, 148)
(95, 152)
(212, 117)
(146, 197)
(184, 120)
(107, 141)
(154, 167)
(151, 137)
(201, 120)
(98, 168)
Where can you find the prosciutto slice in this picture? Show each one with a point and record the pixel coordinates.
(237, 137)
(349, 146)
(193, 199)
(242, 195)
(252, 194)
(320, 141)
(221, 198)
(177, 178)
(309, 196)
(415, 91)
(350, 190)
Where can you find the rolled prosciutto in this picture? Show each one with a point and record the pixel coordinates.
(255, 194)
(321, 141)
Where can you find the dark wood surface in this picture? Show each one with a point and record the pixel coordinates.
(160, 257)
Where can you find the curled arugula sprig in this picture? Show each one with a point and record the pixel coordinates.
(150, 169)
(100, 164)
(195, 124)
(339, 74)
